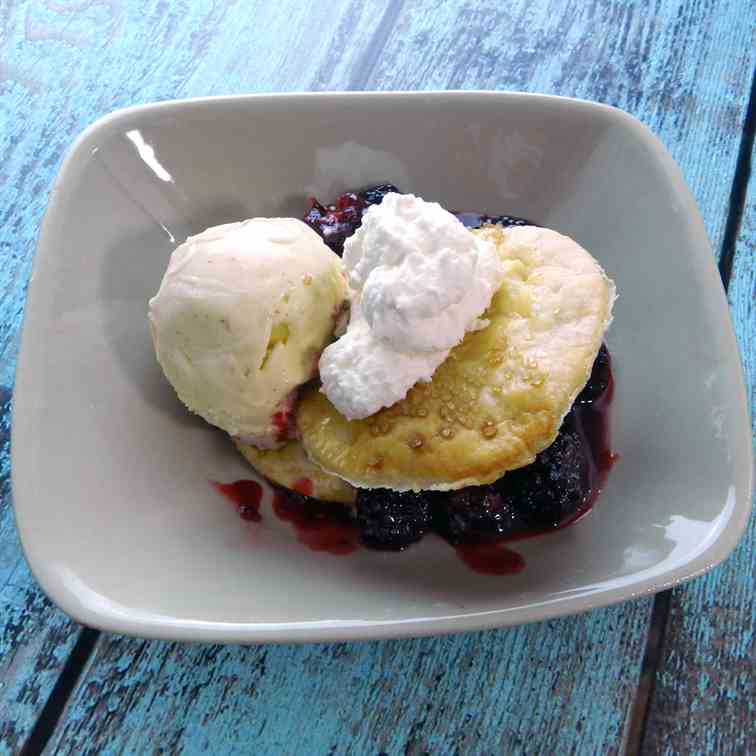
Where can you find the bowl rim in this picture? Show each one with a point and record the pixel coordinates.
(130, 622)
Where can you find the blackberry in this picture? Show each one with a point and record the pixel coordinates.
(390, 520)
(335, 223)
(374, 195)
(476, 220)
(598, 383)
(506, 220)
(478, 514)
(556, 486)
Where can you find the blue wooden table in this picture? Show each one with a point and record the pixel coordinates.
(670, 674)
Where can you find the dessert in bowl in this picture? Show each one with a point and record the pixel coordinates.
(435, 371)
(110, 472)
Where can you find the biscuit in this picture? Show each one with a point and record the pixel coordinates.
(289, 467)
(502, 393)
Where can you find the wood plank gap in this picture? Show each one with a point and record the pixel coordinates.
(55, 705)
(657, 627)
(663, 601)
(739, 189)
(363, 70)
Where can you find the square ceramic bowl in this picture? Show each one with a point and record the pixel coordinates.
(111, 476)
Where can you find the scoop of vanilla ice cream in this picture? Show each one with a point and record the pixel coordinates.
(241, 317)
(418, 281)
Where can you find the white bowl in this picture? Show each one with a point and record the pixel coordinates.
(111, 476)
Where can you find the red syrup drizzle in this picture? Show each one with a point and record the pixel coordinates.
(593, 424)
(303, 486)
(320, 525)
(491, 558)
(284, 425)
(284, 421)
(246, 495)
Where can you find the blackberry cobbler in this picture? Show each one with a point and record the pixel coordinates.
(468, 396)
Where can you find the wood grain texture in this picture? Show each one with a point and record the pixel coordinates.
(705, 695)
(63, 65)
(682, 67)
(563, 683)
(35, 639)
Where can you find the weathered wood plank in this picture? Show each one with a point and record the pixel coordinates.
(35, 638)
(705, 695)
(682, 67)
(563, 683)
(62, 65)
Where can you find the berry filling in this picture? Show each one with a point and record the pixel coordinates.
(319, 525)
(478, 514)
(391, 520)
(554, 487)
(336, 222)
(598, 383)
(476, 220)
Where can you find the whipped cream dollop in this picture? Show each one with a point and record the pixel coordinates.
(418, 282)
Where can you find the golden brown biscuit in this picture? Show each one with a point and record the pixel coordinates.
(289, 467)
(501, 395)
